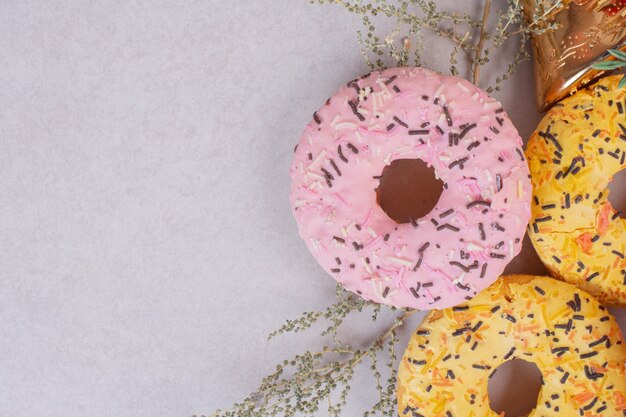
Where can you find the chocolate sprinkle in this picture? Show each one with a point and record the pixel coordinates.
(327, 174)
(400, 122)
(588, 355)
(341, 155)
(473, 145)
(355, 110)
(447, 113)
(391, 79)
(449, 227)
(334, 165)
(483, 270)
(509, 354)
(352, 147)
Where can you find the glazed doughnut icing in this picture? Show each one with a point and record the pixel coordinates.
(574, 153)
(573, 340)
(474, 230)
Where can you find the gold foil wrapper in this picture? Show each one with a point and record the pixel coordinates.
(585, 30)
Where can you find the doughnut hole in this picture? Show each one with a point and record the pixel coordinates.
(514, 388)
(617, 192)
(408, 190)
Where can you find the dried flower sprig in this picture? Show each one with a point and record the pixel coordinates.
(476, 38)
(315, 381)
(318, 382)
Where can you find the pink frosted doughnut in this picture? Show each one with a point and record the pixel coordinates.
(464, 243)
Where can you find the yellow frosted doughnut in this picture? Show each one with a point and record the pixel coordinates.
(573, 340)
(576, 150)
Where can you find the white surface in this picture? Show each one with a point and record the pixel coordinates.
(146, 242)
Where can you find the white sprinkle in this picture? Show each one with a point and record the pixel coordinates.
(372, 232)
(400, 261)
(316, 176)
(403, 149)
(460, 278)
(462, 87)
(344, 232)
(315, 244)
(511, 255)
(439, 91)
(375, 102)
(473, 247)
(486, 195)
(492, 105)
(378, 288)
(475, 96)
(366, 266)
(345, 125)
(520, 189)
(382, 85)
(318, 158)
(484, 118)
(335, 120)
(314, 185)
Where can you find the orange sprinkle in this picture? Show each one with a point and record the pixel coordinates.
(528, 328)
(584, 397)
(603, 218)
(584, 241)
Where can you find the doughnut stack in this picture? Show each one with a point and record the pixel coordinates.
(450, 261)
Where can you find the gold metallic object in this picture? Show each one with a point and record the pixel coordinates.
(585, 30)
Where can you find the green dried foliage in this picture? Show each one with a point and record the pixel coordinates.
(475, 39)
(318, 382)
(315, 383)
(617, 61)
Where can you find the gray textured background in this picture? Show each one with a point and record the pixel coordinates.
(146, 241)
